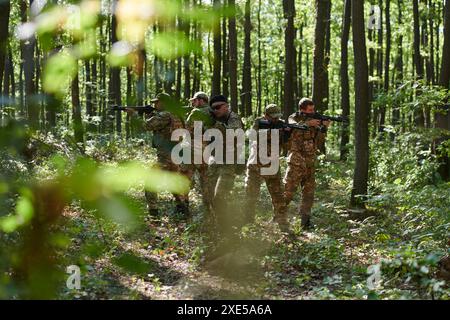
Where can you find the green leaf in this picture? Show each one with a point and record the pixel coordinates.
(133, 173)
(24, 214)
(59, 72)
(121, 54)
(170, 45)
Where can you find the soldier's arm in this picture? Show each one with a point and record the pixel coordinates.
(157, 122)
(234, 123)
(256, 125)
(199, 115)
(293, 119)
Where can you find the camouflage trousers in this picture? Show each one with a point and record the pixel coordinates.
(303, 175)
(253, 181)
(205, 188)
(221, 181)
(182, 200)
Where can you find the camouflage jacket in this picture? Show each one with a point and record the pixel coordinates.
(254, 148)
(233, 121)
(303, 144)
(202, 114)
(162, 124)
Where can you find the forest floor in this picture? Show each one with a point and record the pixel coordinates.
(163, 257)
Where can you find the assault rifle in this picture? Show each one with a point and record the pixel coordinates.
(323, 117)
(266, 124)
(139, 109)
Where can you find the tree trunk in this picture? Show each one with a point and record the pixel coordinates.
(319, 66)
(417, 57)
(130, 101)
(371, 68)
(419, 118)
(360, 179)
(140, 84)
(398, 67)
(308, 88)
(198, 66)
(89, 104)
(345, 92)
(299, 64)
(431, 32)
(114, 86)
(179, 77)
(76, 111)
(216, 80)
(438, 24)
(442, 119)
(5, 8)
(289, 37)
(8, 78)
(387, 63)
(225, 58)
(233, 56)
(259, 94)
(27, 48)
(246, 94)
(186, 58)
(327, 57)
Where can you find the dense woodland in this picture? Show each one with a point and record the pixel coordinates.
(73, 171)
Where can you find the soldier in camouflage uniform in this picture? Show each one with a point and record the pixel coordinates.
(221, 176)
(253, 175)
(162, 123)
(201, 112)
(301, 158)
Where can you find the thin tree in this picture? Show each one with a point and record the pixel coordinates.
(246, 94)
(225, 57)
(345, 92)
(76, 110)
(361, 174)
(216, 80)
(114, 86)
(88, 91)
(398, 66)
(186, 58)
(319, 65)
(259, 80)
(5, 8)
(387, 63)
(233, 55)
(289, 38)
(299, 63)
(442, 118)
(418, 63)
(27, 50)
